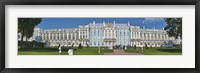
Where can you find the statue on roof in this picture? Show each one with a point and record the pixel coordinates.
(109, 24)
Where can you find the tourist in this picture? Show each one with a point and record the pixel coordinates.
(142, 49)
(70, 51)
(60, 49)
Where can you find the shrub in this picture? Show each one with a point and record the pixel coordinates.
(73, 45)
(28, 44)
(134, 46)
(87, 45)
(146, 47)
(178, 46)
(151, 46)
(80, 46)
(128, 46)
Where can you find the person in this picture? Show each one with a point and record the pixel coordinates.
(142, 49)
(70, 51)
(60, 49)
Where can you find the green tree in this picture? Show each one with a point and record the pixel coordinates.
(174, 27)
(26, 27)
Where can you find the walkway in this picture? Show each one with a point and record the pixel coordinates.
(121, 52)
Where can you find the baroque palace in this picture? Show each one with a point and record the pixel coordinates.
(105, 34)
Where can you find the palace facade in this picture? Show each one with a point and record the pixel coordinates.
(105, 34)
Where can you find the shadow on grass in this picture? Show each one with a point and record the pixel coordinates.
(54, 50)
(47, 49)
(170, 50)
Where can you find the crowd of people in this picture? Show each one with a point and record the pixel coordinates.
(70, 50)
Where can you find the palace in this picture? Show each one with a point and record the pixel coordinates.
(105, 34)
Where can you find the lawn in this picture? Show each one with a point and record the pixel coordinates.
(94, 51)
(54, 51)
(91, 51)
(158, 51)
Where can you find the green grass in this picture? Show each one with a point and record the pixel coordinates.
(54, 51)
(94, 51)
(91, 51)
(157, 51)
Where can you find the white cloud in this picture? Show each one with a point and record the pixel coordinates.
(151, 20)
(143, 21)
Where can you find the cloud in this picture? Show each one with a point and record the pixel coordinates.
(143, 21)
(151, 20)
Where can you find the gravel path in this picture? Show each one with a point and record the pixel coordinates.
(121, 52)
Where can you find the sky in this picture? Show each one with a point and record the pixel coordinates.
(59, 23)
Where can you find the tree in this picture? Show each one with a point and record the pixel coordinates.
(26, 27)
(174, 27)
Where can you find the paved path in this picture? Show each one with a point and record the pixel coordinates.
(121, 52)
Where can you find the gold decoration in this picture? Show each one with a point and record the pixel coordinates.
(109, 24)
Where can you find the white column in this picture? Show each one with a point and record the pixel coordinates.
(131, 35)
(136, 35)
(49, 36)
(157, 37)
(75, 35)
(45, 36)
(160, 36)
(104, 33)
(107, 33)
(165, 37)
(150, 36)
(59, 35)
(147, 36)
(56, 36)
(115, 35)
(82, 34)
(71, 36)
(67, 35)
(42, 36)
(85, 34)
(63, 36)
(111, 33)
(52, 36)
(79, 34)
